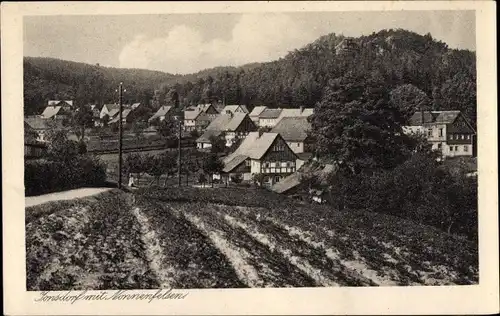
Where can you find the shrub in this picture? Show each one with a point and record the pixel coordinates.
(42, 176)
(420, 189)
(237, 178)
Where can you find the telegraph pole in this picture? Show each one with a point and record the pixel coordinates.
(179, 153)
(120, 133)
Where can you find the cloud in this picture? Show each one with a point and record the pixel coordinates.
(254, 38)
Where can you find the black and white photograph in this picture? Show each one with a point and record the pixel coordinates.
(185, 151)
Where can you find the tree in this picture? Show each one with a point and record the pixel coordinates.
(105, 120)
(218, 144)
(213, 165)
(168, 129)
(202, 178)
(140, 114)
(82, 118)
(194, 134)
(258, 179)
(459, 93)
(408, 99)
(357, 127)
(60, 147)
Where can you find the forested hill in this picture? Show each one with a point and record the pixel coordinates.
(446, 76)
(51, 78)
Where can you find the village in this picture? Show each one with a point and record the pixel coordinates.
(270, 147)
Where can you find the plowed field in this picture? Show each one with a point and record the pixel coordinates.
(156, 240)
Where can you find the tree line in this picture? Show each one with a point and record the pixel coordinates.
(446, 77)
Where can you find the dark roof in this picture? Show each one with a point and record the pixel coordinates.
(292, 128)
(436, 117)
(270, 113)
(257, 110)
(295, 179)
(38, 122)
(233, 163)
(162, 111)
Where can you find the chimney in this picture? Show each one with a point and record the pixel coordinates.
(301, 109)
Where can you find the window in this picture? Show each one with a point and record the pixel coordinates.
(456, 148)
(468, 136)
(440, 132)
(439, 146)
(273, 164)
(283, 164)
(247, 162)
(456, 136)
(273, 170)
(451, 136)
(277, 179)
(298, 144)
(429, 132)
(466, 149)
(451, 148)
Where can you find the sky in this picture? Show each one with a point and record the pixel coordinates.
(187, 43)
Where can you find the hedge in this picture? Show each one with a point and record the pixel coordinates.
(45, 176)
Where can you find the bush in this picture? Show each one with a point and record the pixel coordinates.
(420, 189)
(42, 176)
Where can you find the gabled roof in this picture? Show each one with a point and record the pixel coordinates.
(292, 128)
(125, 113)
(57, 102)
(40, 123)
(136, 105)
(109, 107)
(254, 146)
(235, 121)
(233, 163)
(205, 138)
(192, 114)
(162, 111)
(51, 111)
(233, 108)
(304, 112)
(222, 123)
(295, 179)
(261, 145)
(270, 113)
(257, 110)
(438, 117)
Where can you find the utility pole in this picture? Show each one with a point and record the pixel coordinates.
(120, 133)
(179, 153)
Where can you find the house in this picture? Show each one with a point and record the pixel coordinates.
(39, 126)
(297, 184)
(161, 114)
(261, 153)
(230, 126)
(209, 109)
(135, 105)
(256, 111)
(57, 109)
(299, 112)
(294, 132)
(269, 117)
(96, 112)
(196, 120)
(33, 148)
(234, 109)
(449, 132)
(110, 110)
(116, 118)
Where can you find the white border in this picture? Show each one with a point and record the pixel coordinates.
(482, 298)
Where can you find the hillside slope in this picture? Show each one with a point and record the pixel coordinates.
(228, 238)
(447, 76)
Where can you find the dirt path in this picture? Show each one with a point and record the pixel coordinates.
(64, 195)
